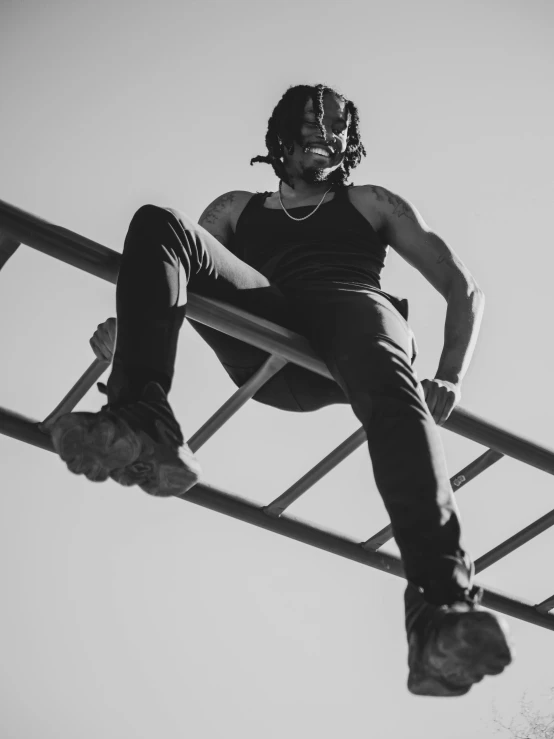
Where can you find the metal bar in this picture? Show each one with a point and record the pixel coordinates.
(256, 331)
(104, 263)
(546, 605)
(293, 528)
(475, 468)
(459, 480)
(59, 242)
(488, 434)
(516, 608)
(24, 429)
(236, 401)
(77, 392)
(515, 541)
(276, 507)
(8, 247)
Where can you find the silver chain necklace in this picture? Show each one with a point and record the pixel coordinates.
(309, 214)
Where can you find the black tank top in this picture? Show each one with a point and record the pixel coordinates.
(335, 244)
(334, 248)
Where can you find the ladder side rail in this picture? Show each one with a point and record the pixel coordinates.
(20, 427)
(483, 432)
(60, 243)
(24, 429)
(103, 262)
(207, 496)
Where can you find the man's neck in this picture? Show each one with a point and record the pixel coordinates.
(301, 190)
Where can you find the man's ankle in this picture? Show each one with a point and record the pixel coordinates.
(126, 384)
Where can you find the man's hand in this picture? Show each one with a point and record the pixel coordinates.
(103, 340)
(441, 397)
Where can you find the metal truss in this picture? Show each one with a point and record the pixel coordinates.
(18, 227)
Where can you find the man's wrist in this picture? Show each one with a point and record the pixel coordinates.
(453, 377)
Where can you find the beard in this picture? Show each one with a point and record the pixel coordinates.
(315, 176)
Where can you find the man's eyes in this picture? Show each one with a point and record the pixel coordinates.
(338, 131)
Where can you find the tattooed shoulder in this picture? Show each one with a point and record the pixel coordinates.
(213, 212)
(379, 192)
(400, 207)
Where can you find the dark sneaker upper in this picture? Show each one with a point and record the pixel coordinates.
(151, 413)
(165, 466)
(451, 647)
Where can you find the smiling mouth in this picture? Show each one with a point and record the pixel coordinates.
(318, 151)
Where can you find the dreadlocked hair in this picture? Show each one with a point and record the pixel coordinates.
(283, 129)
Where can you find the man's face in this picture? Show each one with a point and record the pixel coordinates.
(315, 157)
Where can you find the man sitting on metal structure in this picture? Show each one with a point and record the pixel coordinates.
(308, 257)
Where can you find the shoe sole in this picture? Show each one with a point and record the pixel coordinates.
(468, 647)
(94, 445)
(100, 448)
(160, 469)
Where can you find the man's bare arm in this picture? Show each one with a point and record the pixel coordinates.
(409, 235)
(220, 217)
(216, 217)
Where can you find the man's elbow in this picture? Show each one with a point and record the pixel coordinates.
(467, 288)
(477, 294)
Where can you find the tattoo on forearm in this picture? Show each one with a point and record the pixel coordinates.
(213, 211)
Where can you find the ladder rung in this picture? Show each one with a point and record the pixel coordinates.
(17, 227)
(25, 429)
(8, 247)
(462, 478)
(271, 366)
(276, 507)
(77, 392)
(515, 541)
(546, 606)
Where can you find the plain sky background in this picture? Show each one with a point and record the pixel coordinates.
(128, 617)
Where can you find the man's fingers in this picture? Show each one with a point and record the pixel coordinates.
(430, 396)
(443, 406)
(448, 406)
(441, 398)
(425, 385)
(100, 349)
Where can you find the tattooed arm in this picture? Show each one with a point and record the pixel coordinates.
(408, 234)
(220, 217)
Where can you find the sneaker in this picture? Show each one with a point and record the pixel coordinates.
(452, 647)
(138, 443)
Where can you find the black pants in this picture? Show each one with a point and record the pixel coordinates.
(366, 343)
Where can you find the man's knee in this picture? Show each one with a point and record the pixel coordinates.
(155, 215)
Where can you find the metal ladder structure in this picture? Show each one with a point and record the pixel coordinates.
(18, 227)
